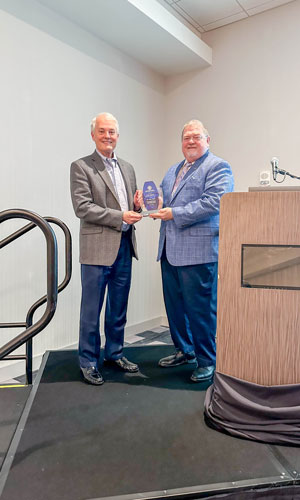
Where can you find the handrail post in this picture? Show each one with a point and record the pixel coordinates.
(41, 222)
(52, 287)
(29, 361)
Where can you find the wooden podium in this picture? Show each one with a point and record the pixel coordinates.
(258, 328)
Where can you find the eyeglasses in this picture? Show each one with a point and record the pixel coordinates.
(195, 138)
(104, 132)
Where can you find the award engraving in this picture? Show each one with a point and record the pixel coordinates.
(152, 201)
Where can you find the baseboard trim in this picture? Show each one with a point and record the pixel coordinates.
(145, 325)
(9, 370)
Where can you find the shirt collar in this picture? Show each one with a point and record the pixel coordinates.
(104, 158)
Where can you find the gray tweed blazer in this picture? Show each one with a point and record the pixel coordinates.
(96, 204)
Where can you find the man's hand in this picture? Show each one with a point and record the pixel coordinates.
(138, 199)
(163, 214)
(131, 217)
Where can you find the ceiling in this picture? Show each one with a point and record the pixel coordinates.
(207, 15)
(165, 35)
(143, 29)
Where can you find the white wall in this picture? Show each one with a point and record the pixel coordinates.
(51, 88)
(50, 91)
(249, 98)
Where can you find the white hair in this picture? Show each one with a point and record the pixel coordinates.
(107, 115)
(198, 124)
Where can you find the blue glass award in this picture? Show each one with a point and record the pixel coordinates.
(152, 201)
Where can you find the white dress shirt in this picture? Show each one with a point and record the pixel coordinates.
(114, 171)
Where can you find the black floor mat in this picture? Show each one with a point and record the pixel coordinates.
(12, 402)
(137, 433)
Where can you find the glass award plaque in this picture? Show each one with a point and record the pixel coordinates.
(152, 199)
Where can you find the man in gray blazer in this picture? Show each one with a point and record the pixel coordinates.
(105, 198)
(188, 250)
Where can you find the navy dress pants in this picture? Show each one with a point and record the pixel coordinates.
(95, 280)
(190, 295)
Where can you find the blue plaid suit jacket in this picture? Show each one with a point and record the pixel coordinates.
(192, 236)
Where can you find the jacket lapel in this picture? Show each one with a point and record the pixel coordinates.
(126, 182)
(189, 173)
(169, 195)
(101, 169)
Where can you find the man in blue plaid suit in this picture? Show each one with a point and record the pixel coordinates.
(188, 250)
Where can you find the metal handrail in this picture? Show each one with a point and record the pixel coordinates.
(52, 288)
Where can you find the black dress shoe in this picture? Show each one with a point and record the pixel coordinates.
(91, 375)
(124, 364)
(202, 374)
(179, 358)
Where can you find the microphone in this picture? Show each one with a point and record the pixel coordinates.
(275, 169)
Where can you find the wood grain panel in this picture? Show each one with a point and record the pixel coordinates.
(258, 330)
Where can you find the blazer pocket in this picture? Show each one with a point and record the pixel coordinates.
(204, 231)
(91, 230)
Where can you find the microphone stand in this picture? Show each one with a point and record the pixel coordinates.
(284, 173)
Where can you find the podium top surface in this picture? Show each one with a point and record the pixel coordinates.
(274, 188)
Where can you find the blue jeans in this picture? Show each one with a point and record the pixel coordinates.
(95, 280)
(190, 295)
